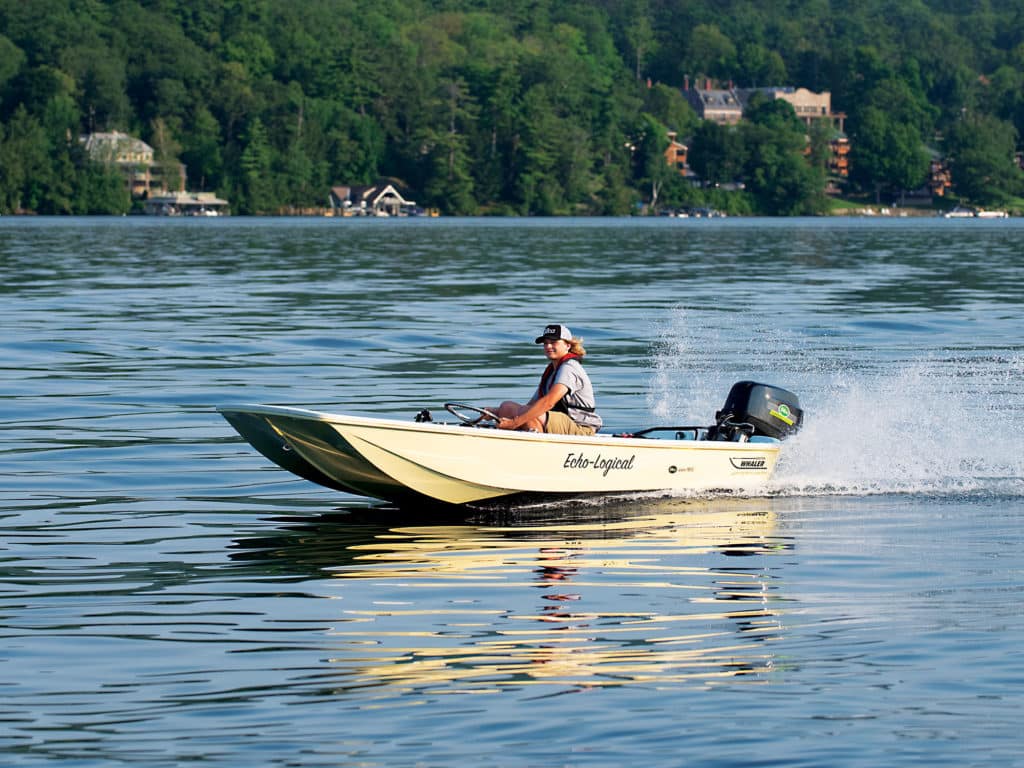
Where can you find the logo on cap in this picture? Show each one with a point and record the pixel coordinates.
(555, 331)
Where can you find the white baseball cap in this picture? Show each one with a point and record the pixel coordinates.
(553, 332)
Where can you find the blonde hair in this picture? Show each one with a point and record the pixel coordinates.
(576, 346)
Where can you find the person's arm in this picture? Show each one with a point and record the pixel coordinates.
(537, 408)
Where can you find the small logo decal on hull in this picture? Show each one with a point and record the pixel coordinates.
(749, 462)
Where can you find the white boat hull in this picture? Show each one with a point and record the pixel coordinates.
(403, 461)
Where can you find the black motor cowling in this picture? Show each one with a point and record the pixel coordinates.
(757, 409)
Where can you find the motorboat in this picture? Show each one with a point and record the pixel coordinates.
(959, 213)
(469, 462)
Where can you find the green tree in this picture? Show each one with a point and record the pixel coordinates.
(820, 135)
(53, 188)
(1003, 94)
(24, 163)
(201, 150)
(668, 106)
(251, 49)
(296, 170)
(12, 59)
(717, 153)
(165, 154)
(450, 180)
(615, 197)
(651, 171)
(641, 37)
(99, 190)
(711, 52)
(499, 127)
(255, 191)
(101, 84)
(539, 188)
(355, 147)
(981, 156)
(760, 66)
(779, 176)
(887, 154)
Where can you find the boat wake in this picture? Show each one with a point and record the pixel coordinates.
(929, 427)
(934, 422)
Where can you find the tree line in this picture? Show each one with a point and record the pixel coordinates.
(529, 107)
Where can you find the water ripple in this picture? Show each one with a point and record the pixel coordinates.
(167, 596)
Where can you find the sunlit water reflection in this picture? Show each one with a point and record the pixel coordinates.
(472, 608)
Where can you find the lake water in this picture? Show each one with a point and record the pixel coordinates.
(167, 596)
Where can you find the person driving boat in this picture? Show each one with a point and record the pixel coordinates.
(564, 402)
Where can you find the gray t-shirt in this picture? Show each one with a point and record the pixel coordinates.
(571, 375)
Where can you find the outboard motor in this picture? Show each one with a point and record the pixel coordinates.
(757, 409)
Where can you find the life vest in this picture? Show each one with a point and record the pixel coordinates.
(547, 378)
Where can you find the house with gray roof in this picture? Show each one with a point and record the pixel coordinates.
(718, 105)
(136, 162)
(380, 199)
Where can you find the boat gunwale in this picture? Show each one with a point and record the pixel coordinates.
(445, 428)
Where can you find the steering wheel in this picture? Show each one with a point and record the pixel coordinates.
(455, 409)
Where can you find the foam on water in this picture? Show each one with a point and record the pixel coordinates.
(926, 421)
(927, 426)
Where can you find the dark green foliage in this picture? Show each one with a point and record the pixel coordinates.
(779, 177)
(718, 153)
(535, 107)
(981, 152)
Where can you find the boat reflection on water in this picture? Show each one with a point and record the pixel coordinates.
(658, 593)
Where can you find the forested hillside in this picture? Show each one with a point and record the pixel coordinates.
(520, 106)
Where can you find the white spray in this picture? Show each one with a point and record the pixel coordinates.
(917, 421)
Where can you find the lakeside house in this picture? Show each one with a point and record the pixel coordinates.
(186, 204)
(159, 185)
(808, 105)
(676, 155)
(135, 160)
(726, 106)
(380, 199)
(719, 105)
